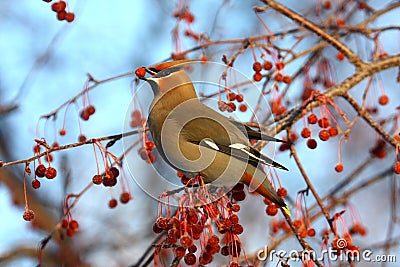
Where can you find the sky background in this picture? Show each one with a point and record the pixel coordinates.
(110, 38)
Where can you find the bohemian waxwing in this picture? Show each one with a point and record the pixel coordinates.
(197, 140)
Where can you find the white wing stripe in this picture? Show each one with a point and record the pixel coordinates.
(211, 144)
(238, 146)
(244, 148)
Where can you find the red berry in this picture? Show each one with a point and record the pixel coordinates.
(36, 149)
(239, 196)
(84, 114)
(231, 96)
(231, 107)
(311, 143)
(180, 252)
(311, 232)
(278, 77)
(91, 109)
(112, 203)
(156, 229)
(51, 173)
(267, 201)
(70, 232)
(58, 6)
(267, 65)
(149, 145)
(279, 65)
(306, 132)
(324, 122)
(340, 56)
(82, 138)
(272, 210)
(192, 249)
(64, 223)
(383, 100)
(74, 225)
(324, 135)
(61, 15)
(186, 241)
(235, 207)
(28, 215)
(282, 192)
(69, 17)
(312, 118)
(140, 72)
(222, 105)
(257, 67)
(257, 77)
(333, 131)
(237, 229)
(35, 183)
(234, 219)
(340, 22)
(225, 251)
(362, 5)
(109, 181)
(297, 223)
(189, 17)
(396, 167)
(125, 197)
(286, 79)
(62, 132)
(239, 98)
(49, 158)
(243, 107)
(97, 179)
(303, 232)
(190, 259)
(40, 170)
(339, 167)
(327, 4)
(205, 258)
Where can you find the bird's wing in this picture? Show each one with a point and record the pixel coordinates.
(204, 126)
(242, 152)
(253, 134)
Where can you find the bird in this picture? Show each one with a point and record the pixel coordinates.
(196, 140)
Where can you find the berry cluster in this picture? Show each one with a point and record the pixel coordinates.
(267, 65)
(379, 150)
(87, 112)
(230, 106)
(137, 119)
(345, 242)
(272, 209)
(40, 172)
(303, 229)
(190, 229)
(327, 131)
(109, 179)
(70, 226)
(60, 8)
(145, 152)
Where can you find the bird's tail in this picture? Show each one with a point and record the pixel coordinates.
(259, 183)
